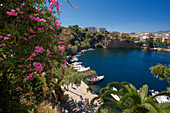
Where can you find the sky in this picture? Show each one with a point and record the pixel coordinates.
(118, 15)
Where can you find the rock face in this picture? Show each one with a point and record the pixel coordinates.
(120, 43)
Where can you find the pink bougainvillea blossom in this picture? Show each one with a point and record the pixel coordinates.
(18, 9)
(71, 36)
(38, 66)
(64, 30)
(64, 39)
(6, 38)
(48, 52)
(8, 35)
(32, 31)
(8, 13)
(49, 9)
(63, 70)
(42, 12)
(19, 88)
(39, 49)
(59, 23)
(61, 47)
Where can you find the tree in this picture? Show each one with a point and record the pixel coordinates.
(131, 101)
(140, 43)
(32, 48)
(161, 71)
(74, 49)
(98, 45)
(149, 42)
(123, 35)
(114, 34)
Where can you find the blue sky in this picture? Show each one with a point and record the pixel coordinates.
(118, 15)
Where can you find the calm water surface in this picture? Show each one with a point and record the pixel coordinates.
(126, 65)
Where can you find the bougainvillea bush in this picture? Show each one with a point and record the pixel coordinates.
(31, 51)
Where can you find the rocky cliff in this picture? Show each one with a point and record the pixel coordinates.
(120, 43)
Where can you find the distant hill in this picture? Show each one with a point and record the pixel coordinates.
(161, 32)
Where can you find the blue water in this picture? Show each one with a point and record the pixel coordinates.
(126, 65)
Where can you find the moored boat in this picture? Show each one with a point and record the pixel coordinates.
(160, 99)
(97, 79)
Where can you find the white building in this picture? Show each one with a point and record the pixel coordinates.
(102, 29)
(91, 29)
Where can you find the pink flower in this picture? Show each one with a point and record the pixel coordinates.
(6, 38)
(34, 54)
(49, 9)
(8, 35)
(13, 11)
(23, 71)
(52, 28)
(22, 12)
(18, 9)
(63, 70)
(42, 12)
(64, 30)
(59, 24)
(69, 45)
(31, 30)
(72, 36)
(60, 42)
(37, 49)
(48, 52)
(38, 66)
(64, 39)
(61, 47)
(22, 4)
(8, 13)
(25, 38)
(68, 33)
(25, 79)
(15, 14)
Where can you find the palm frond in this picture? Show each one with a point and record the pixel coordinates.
(152, 107)
(133, 96)
(143, 92)
(94, 99)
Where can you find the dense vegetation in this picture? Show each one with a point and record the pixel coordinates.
(162, 72)
(131, 100)
(84, 39)
(32, 54)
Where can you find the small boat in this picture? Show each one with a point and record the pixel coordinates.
(74, 59)
(83, 69)
(115, 96)
(97, 79)
(90, 49)
(77, 63)
(160, 99)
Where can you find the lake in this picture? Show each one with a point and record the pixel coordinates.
(130, 65)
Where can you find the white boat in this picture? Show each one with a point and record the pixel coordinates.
(83, 69)
(77, 67)
(97, 79)
(77, 63)
(90, 49)
(115, 96)
(74, 59)
(160, 99)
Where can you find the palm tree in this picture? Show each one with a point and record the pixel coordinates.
(131, 100)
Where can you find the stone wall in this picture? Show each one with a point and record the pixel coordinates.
(121, 43)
